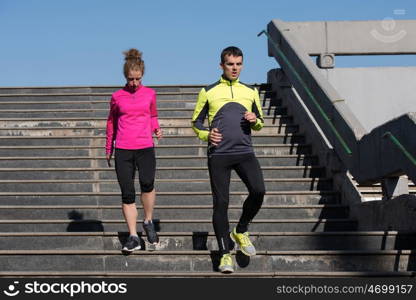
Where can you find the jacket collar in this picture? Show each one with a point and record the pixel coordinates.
(131, 91)
(229, 82)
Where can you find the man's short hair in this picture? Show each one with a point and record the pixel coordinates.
(234, 51)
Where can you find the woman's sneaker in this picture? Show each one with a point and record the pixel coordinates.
(151, 234)
(133, 243)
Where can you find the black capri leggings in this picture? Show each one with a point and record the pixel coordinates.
(126, 162)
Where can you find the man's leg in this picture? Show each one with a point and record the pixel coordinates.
(220, 173)
(250, 172)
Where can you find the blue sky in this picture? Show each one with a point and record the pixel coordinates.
(80, 42)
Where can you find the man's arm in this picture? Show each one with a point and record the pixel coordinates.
(199, 115)
(258, 111)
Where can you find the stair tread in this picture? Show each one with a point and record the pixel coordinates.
(103, 136)
(202, 206)
(207, 274)
(104, 118)
(310, 220)
(157, 168)
(300, 179)
(206, 252)
(209, 233)
(157, 157)
(104, 127)
(280, 192)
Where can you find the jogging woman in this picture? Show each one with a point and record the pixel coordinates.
(131, 123)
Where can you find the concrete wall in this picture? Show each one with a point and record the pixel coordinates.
(375, 95)
(386, 36)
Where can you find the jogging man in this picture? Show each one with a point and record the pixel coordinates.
(233, 109)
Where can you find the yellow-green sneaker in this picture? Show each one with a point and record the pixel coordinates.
(226, 264)
(243, 241)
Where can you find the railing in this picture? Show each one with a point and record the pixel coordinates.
(401, 147)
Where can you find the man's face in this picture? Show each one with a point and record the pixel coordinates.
(232, 67)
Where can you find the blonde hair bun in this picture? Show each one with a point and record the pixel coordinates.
(133, 54)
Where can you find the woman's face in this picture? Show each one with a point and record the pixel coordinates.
(134, 79)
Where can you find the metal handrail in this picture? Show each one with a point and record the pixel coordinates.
(308, 91)
(400, 146)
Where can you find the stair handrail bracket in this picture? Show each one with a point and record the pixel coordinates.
(369, 156)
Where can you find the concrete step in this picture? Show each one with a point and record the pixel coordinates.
(83, 131)
(162, 161)
(113, 212)
(111, 89)
(62, 97)
(161, 173)
(256, 274)
(104, 94)
(376, 188)
(206, 261)
(161, 185)
(51, 92)
(376, 195)
(103, 104)
(257, 138)
(100, 122)
(88, 225)
(176, 241)
(165, 198)
(104, 89)
(103, 112)
(163, 150)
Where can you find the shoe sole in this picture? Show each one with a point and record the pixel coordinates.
(241, 249)
(227, 270)
(131, 250)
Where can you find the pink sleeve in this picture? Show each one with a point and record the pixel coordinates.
(111, 127)
(153, 114)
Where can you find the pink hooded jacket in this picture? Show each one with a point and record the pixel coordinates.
(132, 119)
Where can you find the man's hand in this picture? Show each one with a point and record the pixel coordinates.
(108, 157)
(250, 116)
(158, 133)
(215, 136)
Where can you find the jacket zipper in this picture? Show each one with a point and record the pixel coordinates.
(231, 87)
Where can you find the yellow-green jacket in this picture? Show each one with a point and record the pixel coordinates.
(225, 103)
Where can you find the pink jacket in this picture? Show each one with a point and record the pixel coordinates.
(132, 119)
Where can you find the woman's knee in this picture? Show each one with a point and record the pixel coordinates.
(147, 187)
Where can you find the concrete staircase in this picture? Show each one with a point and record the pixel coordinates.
(60, 204)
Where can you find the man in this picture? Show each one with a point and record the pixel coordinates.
(233, 109)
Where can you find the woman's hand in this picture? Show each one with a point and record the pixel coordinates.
(158, 133)
(108, 157)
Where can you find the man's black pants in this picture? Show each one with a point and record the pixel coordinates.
(248, 169)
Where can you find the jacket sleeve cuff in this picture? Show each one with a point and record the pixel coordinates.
(203, 135)
(258, 125)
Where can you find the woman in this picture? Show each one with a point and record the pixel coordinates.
(131, 122)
